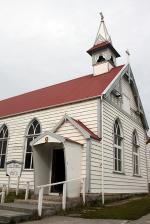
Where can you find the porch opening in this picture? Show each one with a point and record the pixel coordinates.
(58, 170)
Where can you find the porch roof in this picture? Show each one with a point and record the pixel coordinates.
(50, 137)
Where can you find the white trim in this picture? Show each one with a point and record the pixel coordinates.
(74, 123)
(114, 80)
(136, 154)
(118, 147)
(7, 140)
(27, 136)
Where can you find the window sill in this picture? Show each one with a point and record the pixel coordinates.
(117, 172)
(136, 175)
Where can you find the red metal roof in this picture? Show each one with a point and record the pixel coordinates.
(67, 92)
(91, 133)
(102, 45)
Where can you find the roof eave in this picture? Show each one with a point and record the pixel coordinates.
(108, 45)
(49, 107)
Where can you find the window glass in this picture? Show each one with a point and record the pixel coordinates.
(135, 153)
(3, 146)
(118, 154)
(33, 132)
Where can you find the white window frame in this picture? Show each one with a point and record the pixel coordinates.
(118, 148)
(33, 136)
(4, 139)
(136, 155)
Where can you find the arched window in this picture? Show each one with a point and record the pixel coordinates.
(118, 147)
(3, 145)
(33, 132)
(135, 143)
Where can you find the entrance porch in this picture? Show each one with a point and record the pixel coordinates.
(57, 159)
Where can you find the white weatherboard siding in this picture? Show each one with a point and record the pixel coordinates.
(127, 91)
(17, 125)
(95, 166)
(126, 182)
(69, 131)
(148, 160)
(73, 162)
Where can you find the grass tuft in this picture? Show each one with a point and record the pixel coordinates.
(12, 196)
(130, 210)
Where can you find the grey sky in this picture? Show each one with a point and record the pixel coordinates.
(43, 42)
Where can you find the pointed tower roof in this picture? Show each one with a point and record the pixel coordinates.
(103, 39)
(102, 34)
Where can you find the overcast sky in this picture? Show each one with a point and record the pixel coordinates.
(43, 42)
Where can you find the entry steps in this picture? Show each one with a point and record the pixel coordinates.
(22, 210)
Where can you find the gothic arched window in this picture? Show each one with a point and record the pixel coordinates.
(3, 145)
(118, 147)
(33, 132)
(135, 143)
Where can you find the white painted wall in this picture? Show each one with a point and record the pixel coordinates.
(127, 91)
(127, 103)
(148, 160)
(95, 182)
(69, 131)
(85, 111)
(101, 68)
(42, 163)
(126, 182)
(73, 160)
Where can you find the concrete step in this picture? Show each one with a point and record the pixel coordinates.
(7, 216)
(50, 204)
(22, 210)
(52, 198)
(56, 198)
(28, 208)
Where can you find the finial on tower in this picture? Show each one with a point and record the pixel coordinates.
(102, 17)
(102, 34)
(103, 53)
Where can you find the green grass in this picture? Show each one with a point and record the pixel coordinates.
(12, 196)
(130, 210)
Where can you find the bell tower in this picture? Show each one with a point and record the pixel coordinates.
(103, 53)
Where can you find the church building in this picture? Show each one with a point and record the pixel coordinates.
(91, 127)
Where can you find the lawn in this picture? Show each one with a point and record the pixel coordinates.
(130, 210)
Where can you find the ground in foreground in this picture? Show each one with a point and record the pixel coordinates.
(128, 210)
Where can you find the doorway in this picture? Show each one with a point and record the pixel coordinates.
(58, 170)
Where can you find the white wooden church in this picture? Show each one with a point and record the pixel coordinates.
(92, 127)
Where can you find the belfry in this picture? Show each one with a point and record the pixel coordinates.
(103, 53)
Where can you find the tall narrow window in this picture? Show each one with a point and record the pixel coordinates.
(33, 132)
(135, 153)
(3, 145)
(118, 147)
